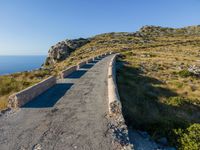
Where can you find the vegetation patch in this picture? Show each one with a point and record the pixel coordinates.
(185, 73)
(156, 95)
(189, 139)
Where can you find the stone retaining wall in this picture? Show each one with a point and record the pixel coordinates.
(67, 71)
(19, 99)
(97, 57)
(90, 60)
(81, 64)
(117, 125)
(113, 95)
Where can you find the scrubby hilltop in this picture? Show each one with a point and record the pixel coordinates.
(158, 78)
(165, 31)
(116, 40)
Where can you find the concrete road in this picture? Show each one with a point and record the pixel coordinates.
(71, 115)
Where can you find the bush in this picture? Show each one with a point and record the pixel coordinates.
(176, 101)
(6, 85)
(185, 73)
(189, 139)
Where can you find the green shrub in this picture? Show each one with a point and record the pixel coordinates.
(6, 85)
(185, 73)
(180, 101)
(179, 84)
(41, 73)
(189, 139)
(176, 101)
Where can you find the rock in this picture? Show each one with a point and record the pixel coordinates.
(155, 31)
(63, 49)
(194, 69)
(75, 147)
(37, 147)
(115, 107)
(4, 111)
(146, 31)
(163, 141)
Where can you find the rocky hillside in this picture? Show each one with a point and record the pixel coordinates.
(159, 81)
(146, 34)
(63, 49)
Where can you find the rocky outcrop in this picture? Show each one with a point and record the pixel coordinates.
(63, 49)
(166, 31)
(194, 69)
(146, 34)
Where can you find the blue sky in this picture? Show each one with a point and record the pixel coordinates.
(30, 27)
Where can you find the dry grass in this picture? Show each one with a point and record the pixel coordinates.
(10, 84)
(155, 94)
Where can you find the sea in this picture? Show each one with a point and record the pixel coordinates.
(13, 64)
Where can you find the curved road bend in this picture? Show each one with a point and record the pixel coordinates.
(71, 115)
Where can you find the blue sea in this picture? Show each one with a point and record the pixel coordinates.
(12, 64)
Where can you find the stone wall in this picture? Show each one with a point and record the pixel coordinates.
(21, 98)
(113, 95)
(117, 122)
(68, 71)
(81, 64)
(90, 60)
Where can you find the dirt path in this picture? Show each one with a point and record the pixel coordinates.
(71, 115)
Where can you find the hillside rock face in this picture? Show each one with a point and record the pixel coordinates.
(160, 31)
(62, 50)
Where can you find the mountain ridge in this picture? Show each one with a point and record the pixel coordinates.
(147, 33)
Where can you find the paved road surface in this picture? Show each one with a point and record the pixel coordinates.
(71, 115)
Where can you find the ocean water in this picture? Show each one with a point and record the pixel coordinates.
(12, 64)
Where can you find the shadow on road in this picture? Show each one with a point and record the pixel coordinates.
(88, 66)
(98, 59)
(79, 73)
(50, 97)
(94, 61)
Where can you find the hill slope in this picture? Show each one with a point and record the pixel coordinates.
(158, 79)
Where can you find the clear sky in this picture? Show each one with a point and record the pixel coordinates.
(30, 27)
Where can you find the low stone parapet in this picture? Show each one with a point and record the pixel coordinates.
(67, 71)
(117, 125)
(21, 98)
(81, 64)
(113, 95)
(90, 60)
